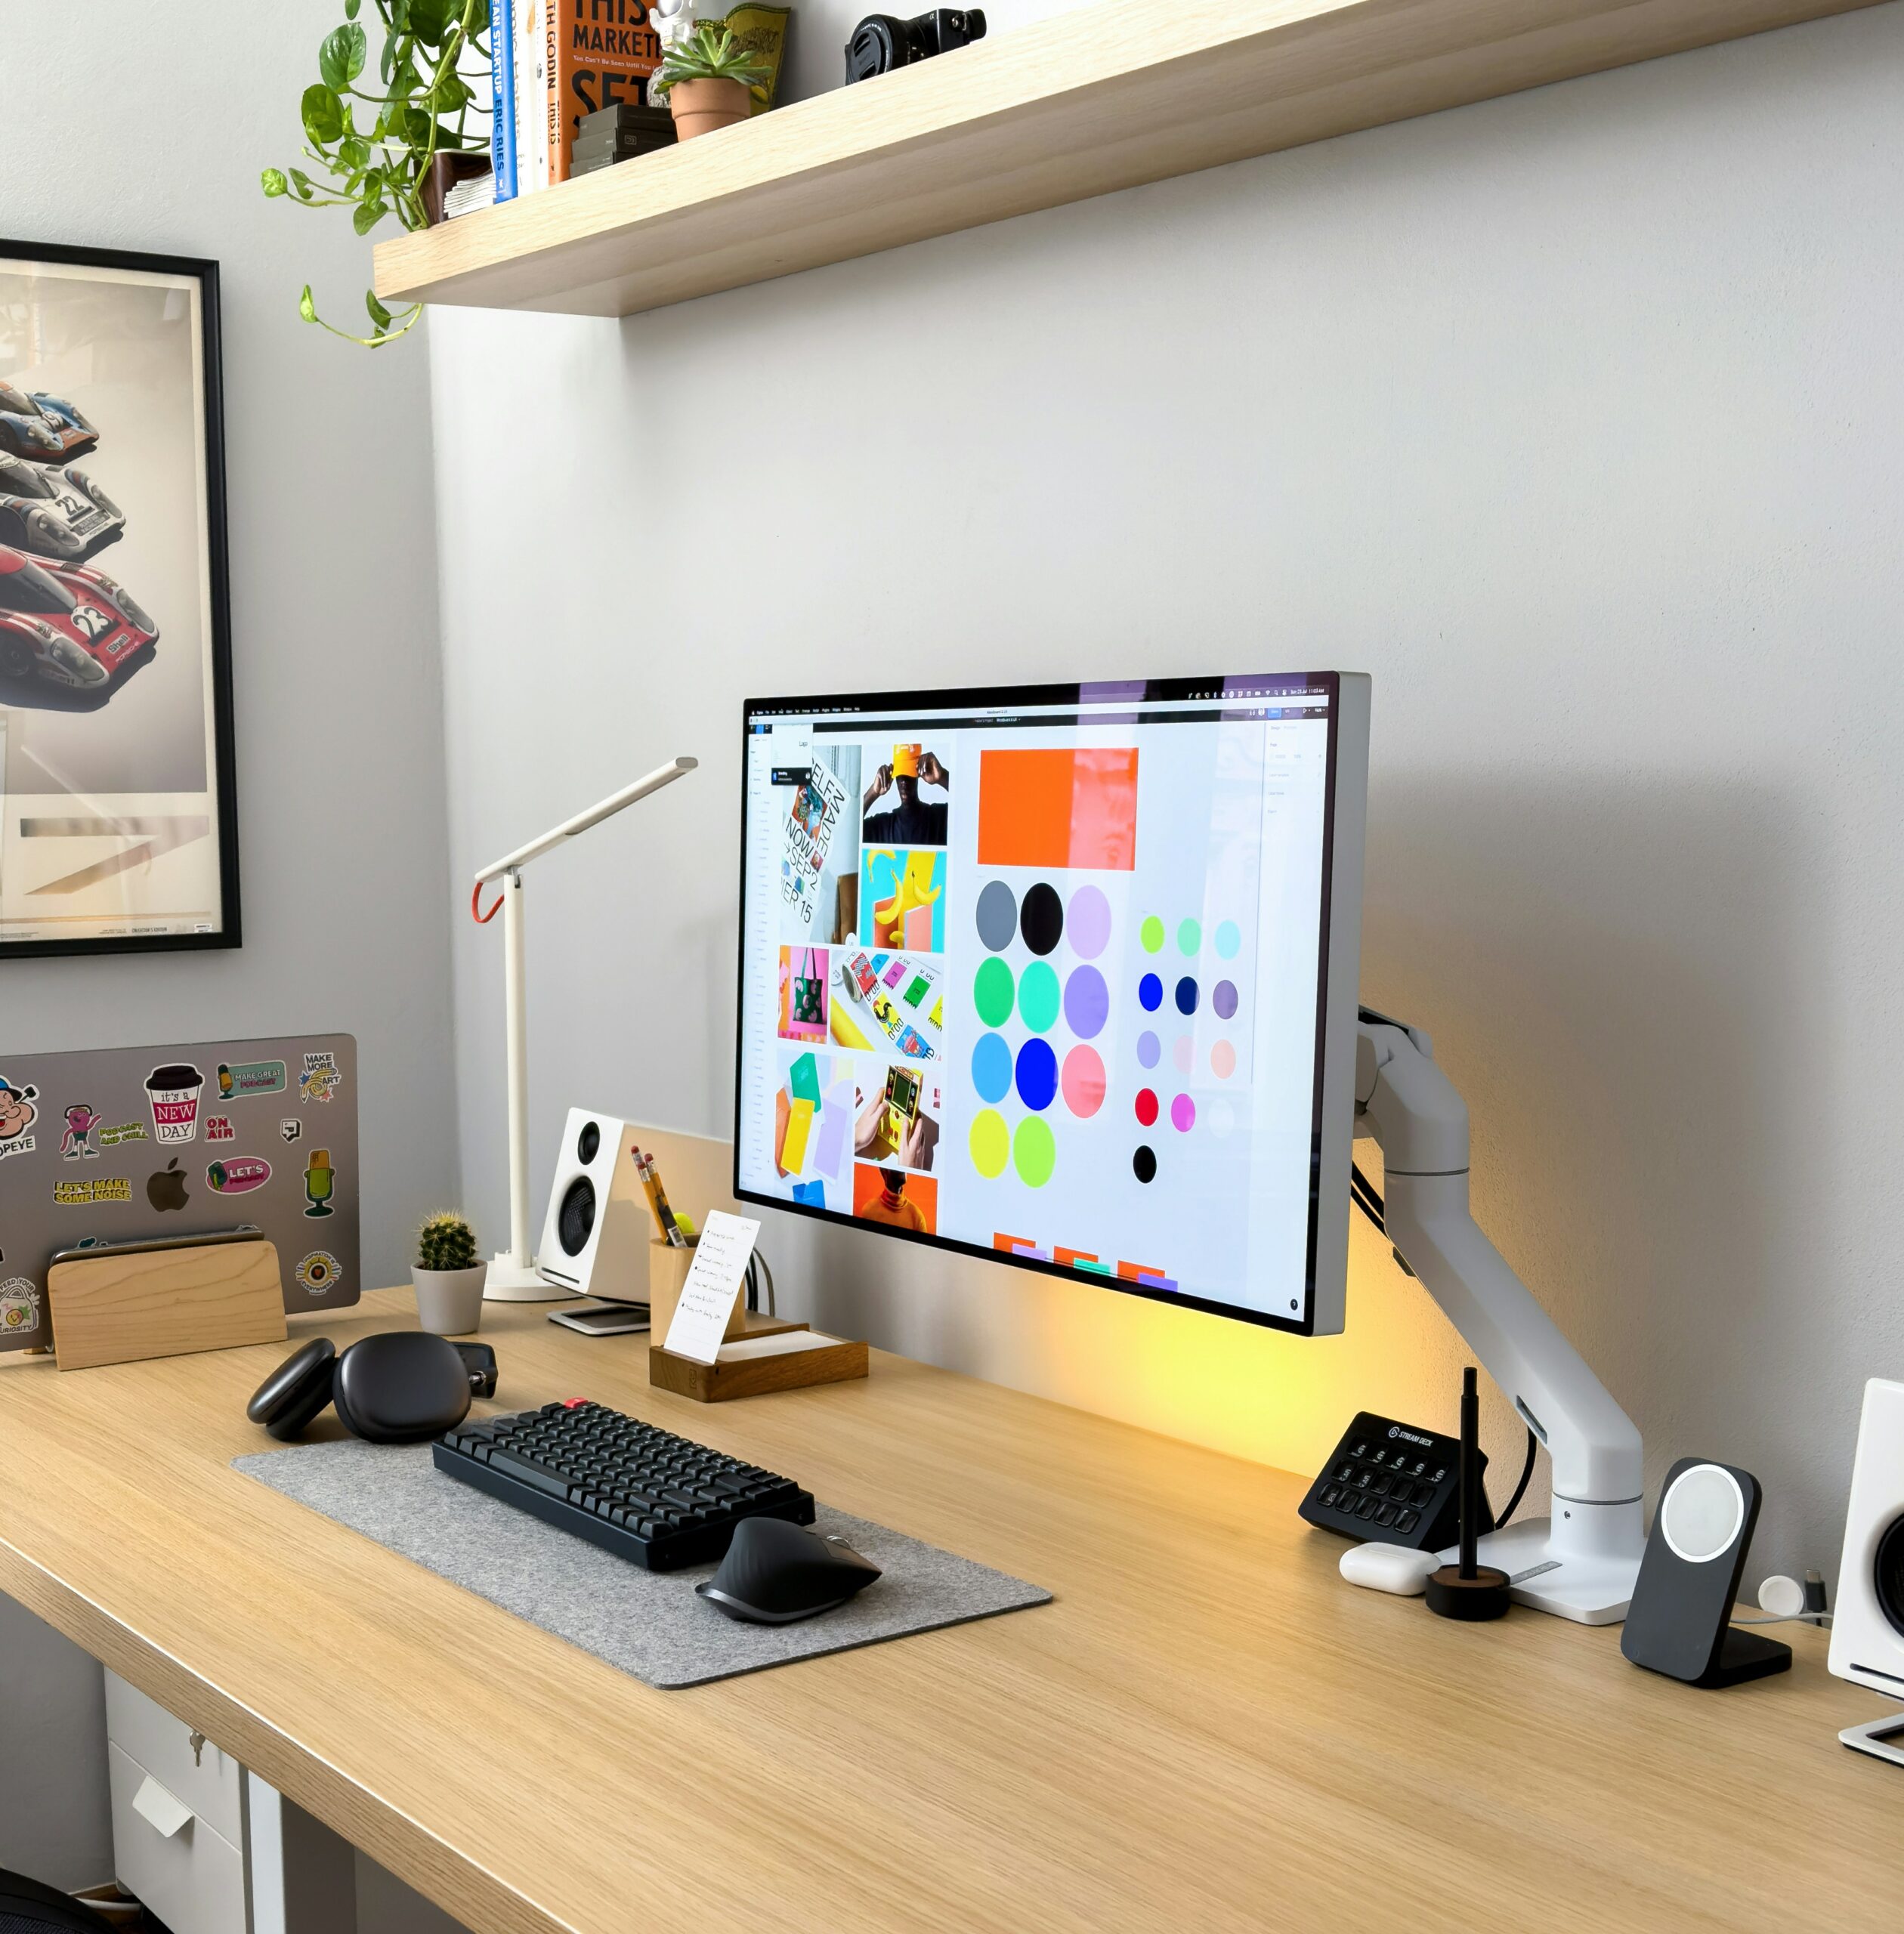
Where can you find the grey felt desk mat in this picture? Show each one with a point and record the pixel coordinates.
(649, 1623)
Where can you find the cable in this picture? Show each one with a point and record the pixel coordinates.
(1362, 1191)
(1520, 1489)
(766, 1269)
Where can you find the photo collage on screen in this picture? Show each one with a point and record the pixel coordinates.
(860, 1019)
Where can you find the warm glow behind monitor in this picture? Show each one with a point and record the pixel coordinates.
(1114, 932)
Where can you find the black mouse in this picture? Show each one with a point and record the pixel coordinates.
(775, 1572)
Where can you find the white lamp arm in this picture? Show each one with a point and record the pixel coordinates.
(513, 1276)
(662, 775)
(1412, 1110)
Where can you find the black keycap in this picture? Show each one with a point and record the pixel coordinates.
(1386, 1515)
(1380, 1487)
(1406, 1521)
(529, 1472)
(1366, 1509)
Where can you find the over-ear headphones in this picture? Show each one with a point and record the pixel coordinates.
(400, 1386)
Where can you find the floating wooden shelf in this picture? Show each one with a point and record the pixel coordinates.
(1072, 106)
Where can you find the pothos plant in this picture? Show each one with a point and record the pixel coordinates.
(376, 145)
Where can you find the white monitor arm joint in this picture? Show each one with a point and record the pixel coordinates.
(1582, 1563)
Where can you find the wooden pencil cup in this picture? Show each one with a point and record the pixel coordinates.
(668, 1268)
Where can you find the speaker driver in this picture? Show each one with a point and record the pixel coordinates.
(1701, 1513)
(576, 1221)
(587, 1142)
(1888, 1578)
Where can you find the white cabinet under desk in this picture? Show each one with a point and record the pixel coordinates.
(208, 1846)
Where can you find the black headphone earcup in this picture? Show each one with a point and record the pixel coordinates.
(401, 1386)
(294, 1394)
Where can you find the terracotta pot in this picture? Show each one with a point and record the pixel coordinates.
(700, 106)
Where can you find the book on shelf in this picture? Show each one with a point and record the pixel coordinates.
(597, 53)
(565, 59)
(479, 191)
(502, 125)
(531, 72)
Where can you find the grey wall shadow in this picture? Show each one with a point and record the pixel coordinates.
(1626, 979)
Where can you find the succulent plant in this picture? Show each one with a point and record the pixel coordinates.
(711, 53)
(446, 1242)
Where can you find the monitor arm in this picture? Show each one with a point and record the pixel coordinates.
(1581, 1563)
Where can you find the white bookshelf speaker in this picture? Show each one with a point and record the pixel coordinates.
(1868, 1623)
(595, 1238)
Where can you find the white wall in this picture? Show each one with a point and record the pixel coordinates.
(1574, 417)
(137, 131)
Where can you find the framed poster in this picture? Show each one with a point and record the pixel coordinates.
(118, 817)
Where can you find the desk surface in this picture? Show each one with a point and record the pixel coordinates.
(1207, 1729)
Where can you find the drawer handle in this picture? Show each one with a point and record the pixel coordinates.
(164, 1812)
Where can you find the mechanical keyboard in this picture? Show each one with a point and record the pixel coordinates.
(660, 1500)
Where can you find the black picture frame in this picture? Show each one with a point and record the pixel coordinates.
(221, 788)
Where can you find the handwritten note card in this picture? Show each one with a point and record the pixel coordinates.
(700, 1317)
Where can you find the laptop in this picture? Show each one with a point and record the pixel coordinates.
(126, 1144)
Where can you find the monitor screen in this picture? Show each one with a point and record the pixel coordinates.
(1044, 974)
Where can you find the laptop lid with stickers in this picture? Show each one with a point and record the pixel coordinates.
(126, 1144)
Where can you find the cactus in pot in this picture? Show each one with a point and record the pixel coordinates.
(448, 1276)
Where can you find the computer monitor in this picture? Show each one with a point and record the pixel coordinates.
(1064, 976)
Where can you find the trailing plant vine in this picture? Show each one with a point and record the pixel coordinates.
(376, 147)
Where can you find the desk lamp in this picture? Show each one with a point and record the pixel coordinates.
(512, 1274)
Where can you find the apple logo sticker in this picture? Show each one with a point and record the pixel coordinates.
(165, 1188)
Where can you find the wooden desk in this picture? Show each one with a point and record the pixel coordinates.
(1208, 1730)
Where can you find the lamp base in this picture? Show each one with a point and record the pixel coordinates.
(511, 1281)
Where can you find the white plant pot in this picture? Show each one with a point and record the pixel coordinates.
(450, 1301)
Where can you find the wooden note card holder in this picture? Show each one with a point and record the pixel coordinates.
(124, 1304)
(835, 1361)
(752, 1376)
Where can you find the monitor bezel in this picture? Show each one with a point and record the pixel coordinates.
(1339, 911)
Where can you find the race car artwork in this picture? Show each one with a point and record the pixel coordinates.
(56, 512)
(67, 625)
(46, 428)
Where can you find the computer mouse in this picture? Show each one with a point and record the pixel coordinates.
(1389, 1568)
(775, 1572)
